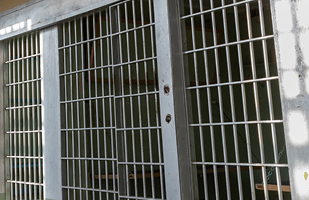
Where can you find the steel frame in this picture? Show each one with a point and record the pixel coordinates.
(173, 95)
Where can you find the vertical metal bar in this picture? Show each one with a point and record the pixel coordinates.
(244, 101)
(14, 118)
(32, 112)
(66, 98)
(138, 97)
(84, 104)
(103, 103)
(157, 116)
(213, 147)
(77, 110)
(51, 140)
(90, 103)
(95, 31)
(38, 109)
(226, 36)
(256, 99)
(173, 112)
(111, 90)
(118, 111)
(270, 100)
(28, 114)
(72, 169)
(148, 113)
(19, 193)
(214, 28)
(23, 115)
(201, 132)
(33, 39)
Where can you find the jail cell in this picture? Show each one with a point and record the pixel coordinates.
(111, 135)
(23, 117)
(236, 130)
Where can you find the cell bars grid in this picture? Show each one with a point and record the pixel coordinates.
(111, 134)
(236, 131)
(23, 117)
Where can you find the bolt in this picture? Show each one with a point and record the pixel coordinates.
(166, 90)
(168, 118)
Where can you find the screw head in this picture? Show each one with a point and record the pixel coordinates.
(166, 89)
(168, 118)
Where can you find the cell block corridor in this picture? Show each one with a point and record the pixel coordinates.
(236, 128)
(110, 127)
(23, 117)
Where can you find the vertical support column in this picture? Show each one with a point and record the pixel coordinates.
(291, 30)
(174, 120)
(2, 127)
(51, 113)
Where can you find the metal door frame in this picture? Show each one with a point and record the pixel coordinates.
(173, 112)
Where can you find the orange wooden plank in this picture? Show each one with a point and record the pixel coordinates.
(273, 187)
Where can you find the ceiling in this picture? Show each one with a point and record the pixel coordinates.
(8, 4)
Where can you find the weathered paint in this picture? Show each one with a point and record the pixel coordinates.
(291, 36)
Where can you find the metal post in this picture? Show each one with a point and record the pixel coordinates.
(51, 114)
(291, 37)
(178, 172)
(2, 133)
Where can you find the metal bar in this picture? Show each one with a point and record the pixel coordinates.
(242, 82)
(86, 99)
(244, 103)
(148, 115)
(111, 90)
(234, 4)
(28, 112)
(30, 131)
(270, 99)
(141, 198)
(90, 189)
(256, 98)
(20, 83)
(230, 44)
(244, 122)
(27, 183)
(23, 115)
(50, 114)
(82, 158)
(175, 139)
(23, 58)
(241, 164)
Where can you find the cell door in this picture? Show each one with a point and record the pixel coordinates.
(23, 117)
(110, 125)
(236, 128)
